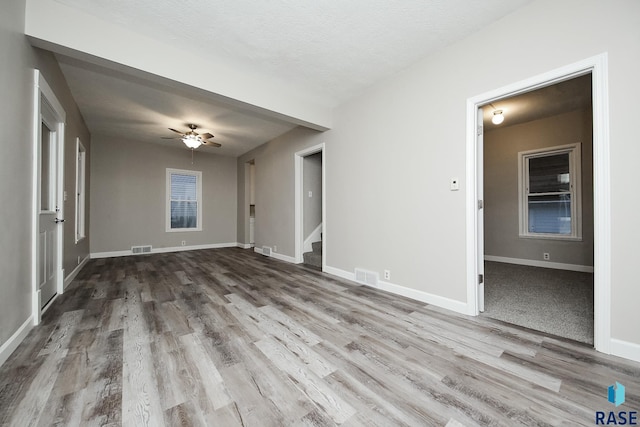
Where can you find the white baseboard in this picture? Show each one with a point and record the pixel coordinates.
(245, 245)
(276, 255)
(14, 341)
(164, 250)
(439, 301)
(340, 273)
(75, 271)
(625, 349)
(544, 264)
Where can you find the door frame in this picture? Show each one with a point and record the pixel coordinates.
(598, 67)
(299, 200)
(42, 89)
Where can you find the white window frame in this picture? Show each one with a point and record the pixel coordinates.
(198, 176)
(80, 193)
(575, 190)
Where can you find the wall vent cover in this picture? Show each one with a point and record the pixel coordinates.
(367, 277)
(266, 251)
(141, 249)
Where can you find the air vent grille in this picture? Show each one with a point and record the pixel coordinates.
(266, 251)
(141, 249)
(367, 277)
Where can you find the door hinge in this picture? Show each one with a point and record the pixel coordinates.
(480, 279)
(480, 129)
(480, 204)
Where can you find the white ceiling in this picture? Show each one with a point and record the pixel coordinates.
(332, 49)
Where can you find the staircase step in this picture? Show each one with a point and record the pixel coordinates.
(317, 247)
(313, 259)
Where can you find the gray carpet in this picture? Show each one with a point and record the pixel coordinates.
(558, 302)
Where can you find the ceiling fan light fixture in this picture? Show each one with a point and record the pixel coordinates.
(498, 117)
(192, 141)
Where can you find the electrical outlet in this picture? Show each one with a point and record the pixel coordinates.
(184, 242)
(78, 259)
(546, 256)
(387, 275)
(275, 248)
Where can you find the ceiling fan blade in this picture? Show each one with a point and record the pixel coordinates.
(170, 137)
(176, 131)
(206, 136)
(212, 144)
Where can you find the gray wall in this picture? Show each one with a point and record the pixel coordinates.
(501, 147)
(15, 169)
(275, 182)
(128, 186)
(311, 181)
(393, 149)
(16, 117)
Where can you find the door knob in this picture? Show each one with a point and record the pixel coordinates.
(58, 221)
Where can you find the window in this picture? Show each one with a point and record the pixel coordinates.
(81, 171)
(184, 200)
(549, 192)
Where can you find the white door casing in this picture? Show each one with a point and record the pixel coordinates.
(480, 208)
(598, 67)
(299, 200)
(47, 199)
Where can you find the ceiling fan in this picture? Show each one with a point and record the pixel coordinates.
(192, 139)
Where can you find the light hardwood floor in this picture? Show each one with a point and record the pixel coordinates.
(226, 337)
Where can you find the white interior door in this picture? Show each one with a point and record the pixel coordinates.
(480, 193)
(48, 209)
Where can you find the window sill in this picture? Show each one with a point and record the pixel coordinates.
(181, 230)
(551, 237)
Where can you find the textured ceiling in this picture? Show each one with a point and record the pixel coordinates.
(562, 97)
(123, 106)
(332, 49)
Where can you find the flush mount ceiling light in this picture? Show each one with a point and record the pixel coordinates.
(498, 117)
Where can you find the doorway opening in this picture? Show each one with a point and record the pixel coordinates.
(596, 67)
(538, 209)
(48, 202)
(310, 207)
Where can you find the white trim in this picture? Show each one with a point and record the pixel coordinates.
(281, 257)
(575, 172)
(439, 301)
(298, 235)
(200, 201)
(80, 200)
(315, 236)
(42, 89)
(75, 271)
(625, 349)
(244, 245)
(14, 341)
(128, 252)
(285, 258)
(598, 67)
(544, 264)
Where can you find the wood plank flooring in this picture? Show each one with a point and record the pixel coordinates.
(226, 337)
